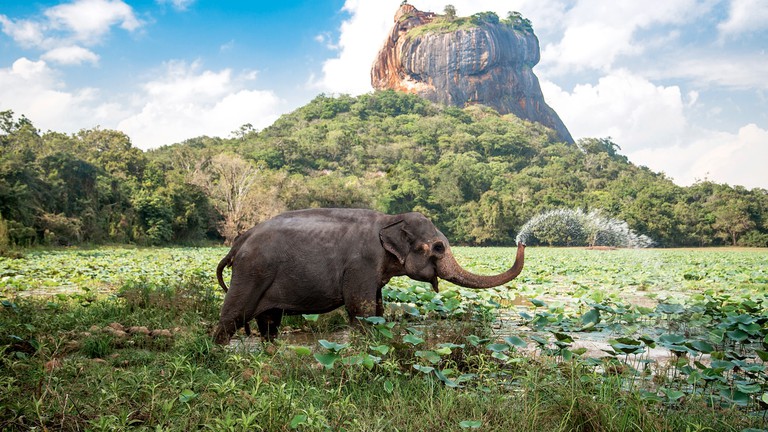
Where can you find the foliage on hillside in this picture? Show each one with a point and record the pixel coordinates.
(449, 22)
(480, 176)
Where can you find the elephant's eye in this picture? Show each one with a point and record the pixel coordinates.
(438, 247)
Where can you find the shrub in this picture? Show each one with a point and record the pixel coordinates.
(754, 238)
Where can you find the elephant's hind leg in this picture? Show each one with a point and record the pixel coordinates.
(239, 306)
(269, 323)
(225, 329)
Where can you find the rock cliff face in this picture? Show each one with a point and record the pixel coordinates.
(483, 61)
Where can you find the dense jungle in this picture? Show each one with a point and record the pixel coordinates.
(477, 174)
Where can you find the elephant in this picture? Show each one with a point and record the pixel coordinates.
(317, 260)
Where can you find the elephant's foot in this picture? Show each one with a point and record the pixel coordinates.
(223, 332)
(269, 324)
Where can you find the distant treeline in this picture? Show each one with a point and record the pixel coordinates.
(479, 175)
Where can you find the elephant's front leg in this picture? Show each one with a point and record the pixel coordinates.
(361, 295)
(379, 303)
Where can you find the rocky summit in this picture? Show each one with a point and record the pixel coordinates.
(463, 61)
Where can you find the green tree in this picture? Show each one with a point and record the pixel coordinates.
(406, 188)
(479, 175)
(155, 213)
(112, 150)
(228, 180)
(20, 182)
(5, 239)
(731, 214)
(516, 20)
(450, 12)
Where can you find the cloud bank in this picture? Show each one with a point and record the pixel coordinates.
(176, 101)
(186, 101)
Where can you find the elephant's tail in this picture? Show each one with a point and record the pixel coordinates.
(229, 258)
(225, 262)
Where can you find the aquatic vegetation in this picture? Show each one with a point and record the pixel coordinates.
(627, 339)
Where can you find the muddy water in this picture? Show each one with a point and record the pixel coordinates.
(508, 323)
(306, 338)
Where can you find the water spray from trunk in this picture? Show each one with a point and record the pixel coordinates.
(566, 227)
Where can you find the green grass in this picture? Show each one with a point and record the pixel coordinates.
(439, 26)
(438, 362)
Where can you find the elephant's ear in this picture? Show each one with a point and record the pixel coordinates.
(394, 238)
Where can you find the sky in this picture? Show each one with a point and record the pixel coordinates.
(681, 86)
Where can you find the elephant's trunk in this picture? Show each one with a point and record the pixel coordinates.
(450, 270)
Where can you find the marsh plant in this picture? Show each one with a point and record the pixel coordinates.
(567, 227)
(435, 361)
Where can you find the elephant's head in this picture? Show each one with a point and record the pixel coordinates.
(425, 255)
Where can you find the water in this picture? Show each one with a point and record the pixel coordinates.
(508, 323)
(566, 227)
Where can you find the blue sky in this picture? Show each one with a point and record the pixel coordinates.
(679, 85)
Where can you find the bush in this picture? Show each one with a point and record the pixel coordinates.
(60, 230)
(98, 346)
(21, 235)
(156, 215)
(4, 239)
(754, 238)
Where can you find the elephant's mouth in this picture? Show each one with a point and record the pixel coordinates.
(434, 284)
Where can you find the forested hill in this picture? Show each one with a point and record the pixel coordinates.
(477, 174)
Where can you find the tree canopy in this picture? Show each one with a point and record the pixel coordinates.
(479, 175)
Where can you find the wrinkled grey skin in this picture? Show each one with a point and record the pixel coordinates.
(316, 260)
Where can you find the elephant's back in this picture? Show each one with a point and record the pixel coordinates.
(315, 235)
(343, 216)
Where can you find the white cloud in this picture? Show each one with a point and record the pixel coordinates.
(693, 96)
(326, 40)
(90, 20)
(229, 46)
(182, 83)
(360, 38)
(736, 159)
(33, 89)
(70, 55)
(25, 32)
(592, 45)
(744, 71)
(180, 5)
(595, 35)
(186, 102)
(632, 110)
(744, 16)
(63, 29)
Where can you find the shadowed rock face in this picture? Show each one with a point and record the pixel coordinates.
(489, 64)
